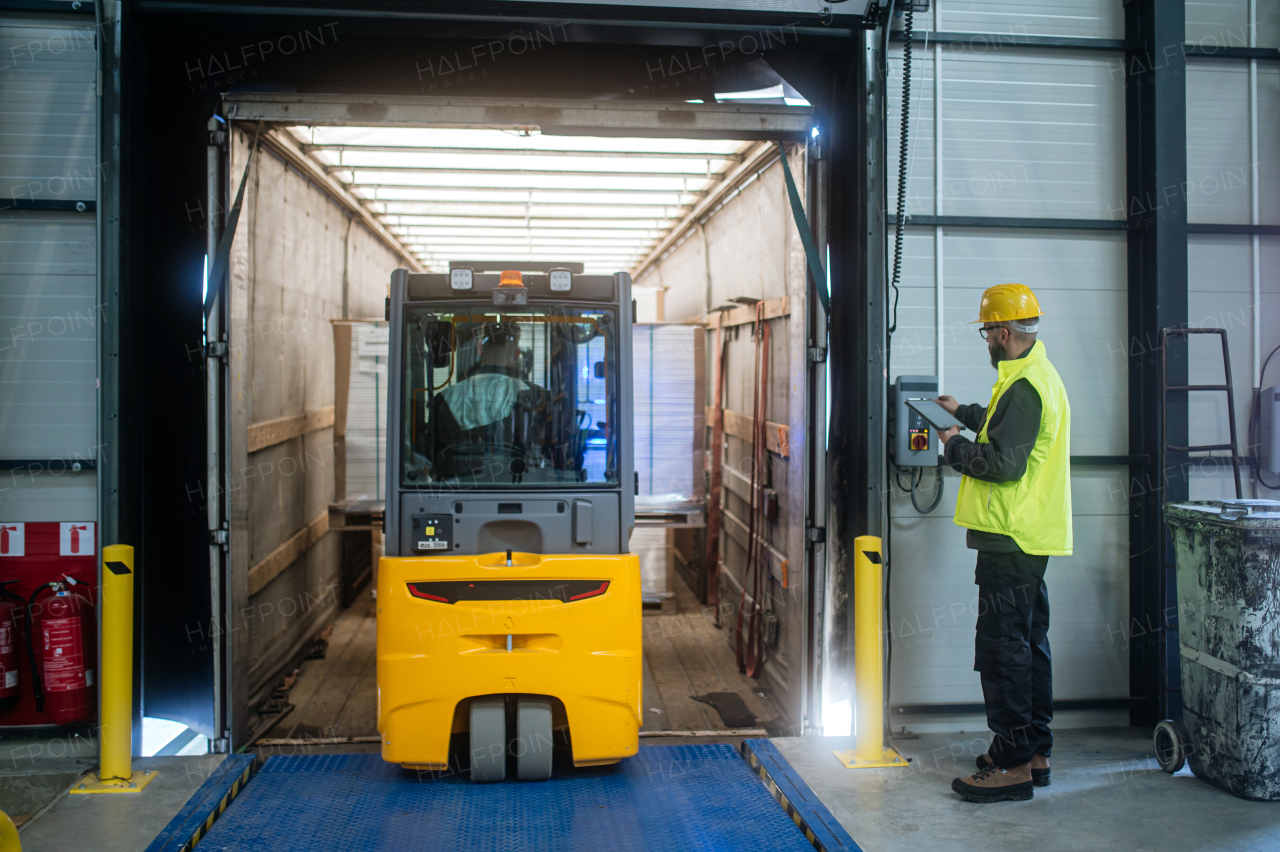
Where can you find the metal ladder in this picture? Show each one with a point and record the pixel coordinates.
(1165, 387)
(1170, 677)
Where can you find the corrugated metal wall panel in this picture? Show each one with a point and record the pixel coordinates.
(1268, 164)
(915, 341)
(934, 597)
(48, 265)
(34, 496)
(1233, 169)
(1268, 25)
(1024, 133)
(1218, 23)
(48, 363)
(1083, 19)
(48, 109)
(1221, 296)
(1219, 171)
(920, 169)
(1033, 134)
(1080, 279)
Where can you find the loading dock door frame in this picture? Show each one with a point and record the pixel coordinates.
(554, 117)
(561, 117)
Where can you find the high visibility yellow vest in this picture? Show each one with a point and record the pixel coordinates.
(1036, 509)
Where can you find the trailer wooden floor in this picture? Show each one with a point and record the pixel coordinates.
(336, 697)
(691, 680)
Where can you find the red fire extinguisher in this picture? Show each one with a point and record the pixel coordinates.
(9, 638)
(66, 635)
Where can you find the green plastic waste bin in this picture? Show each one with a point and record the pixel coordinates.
(1228, 565)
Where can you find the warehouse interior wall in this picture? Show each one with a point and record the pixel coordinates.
(48, 344)
(748, 247)
(1028, 134)
(1233, 154)
(300, 260)
(1039, 134)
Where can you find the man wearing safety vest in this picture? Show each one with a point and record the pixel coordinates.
(1015, 502)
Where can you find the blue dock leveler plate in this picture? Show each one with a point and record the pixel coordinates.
(690, 797)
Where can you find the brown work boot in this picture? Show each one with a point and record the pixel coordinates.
(1039, 768)
(995, 784)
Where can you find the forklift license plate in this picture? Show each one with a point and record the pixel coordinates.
(433, 545)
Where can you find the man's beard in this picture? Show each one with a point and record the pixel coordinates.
(998, 354)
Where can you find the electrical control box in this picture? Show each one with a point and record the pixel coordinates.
(912, 442)
(1269, 433)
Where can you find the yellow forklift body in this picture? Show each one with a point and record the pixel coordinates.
(436, 649)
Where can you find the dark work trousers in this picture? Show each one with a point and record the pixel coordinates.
(1012, 654)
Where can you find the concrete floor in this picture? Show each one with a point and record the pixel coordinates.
(123, 822)
(1107, 793)
(34, 772)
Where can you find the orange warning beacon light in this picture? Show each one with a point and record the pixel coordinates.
(510, 290)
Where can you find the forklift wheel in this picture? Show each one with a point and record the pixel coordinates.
(533, 746)
(1171, 746)
(488, 739)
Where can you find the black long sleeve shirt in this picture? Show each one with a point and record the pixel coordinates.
(1011, 436)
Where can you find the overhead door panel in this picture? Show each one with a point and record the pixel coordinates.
(48, 110)
(48, 256)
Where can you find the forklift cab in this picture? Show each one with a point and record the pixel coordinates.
(508, 603)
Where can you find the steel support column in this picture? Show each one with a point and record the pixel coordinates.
(1155, 104)
(815, 420)
(856, 354)
(119, 418)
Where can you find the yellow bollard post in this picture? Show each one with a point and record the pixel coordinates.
(9, 840)
(868, 660)
(115, 727)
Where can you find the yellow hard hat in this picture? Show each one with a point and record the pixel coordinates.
(1008, 302)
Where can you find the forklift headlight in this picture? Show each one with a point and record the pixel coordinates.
(462, 278)
(561, 280)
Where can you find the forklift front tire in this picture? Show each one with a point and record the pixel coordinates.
(534, 745)
(488, 740)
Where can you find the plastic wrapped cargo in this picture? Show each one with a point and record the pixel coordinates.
(1228, 568)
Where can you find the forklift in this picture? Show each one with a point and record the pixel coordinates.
(508, 601)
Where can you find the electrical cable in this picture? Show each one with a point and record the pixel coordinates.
(899, 226)
(937, 491)
(1255, 417)
(900, 223)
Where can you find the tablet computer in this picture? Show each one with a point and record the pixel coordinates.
(931, 411)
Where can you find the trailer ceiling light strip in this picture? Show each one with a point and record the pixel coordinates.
(448, 192)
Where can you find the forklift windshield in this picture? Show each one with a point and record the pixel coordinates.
(509, 399)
